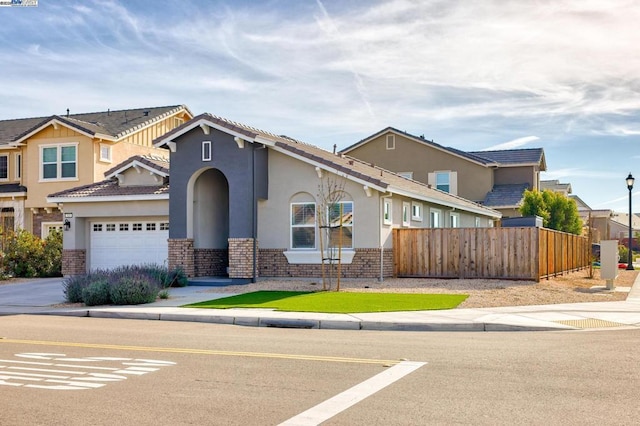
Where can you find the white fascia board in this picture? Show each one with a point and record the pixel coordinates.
(12, 194)
(136, 163)
(264, 141)
(49, 123)
(477, 210)
(104, 137)
(202, 121)
(329, 169)
(113, 198)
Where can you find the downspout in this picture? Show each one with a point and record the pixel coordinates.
(381, 216)
(255, 212)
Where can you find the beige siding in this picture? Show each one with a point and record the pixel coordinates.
(523, 174)
(473, 180)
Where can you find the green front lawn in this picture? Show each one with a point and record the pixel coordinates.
(335, 302)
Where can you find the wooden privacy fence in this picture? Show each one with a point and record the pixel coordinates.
(507, 253)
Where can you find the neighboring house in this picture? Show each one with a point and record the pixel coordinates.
(121, 220)
(599, 221)
(556, 186)
(496, 179)
(619, 227)
(45, 155)
(246, 203)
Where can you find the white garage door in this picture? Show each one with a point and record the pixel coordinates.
(121, 243)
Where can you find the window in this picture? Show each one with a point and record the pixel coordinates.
(477, 222)
(341, 213)
(164, 226)
(4, 167)
(97, 227)
(454, 220)
(58, 162)
(442, 181)
(105, 152)
(303, 225)
(151, 226)
(391, 141)
(406, 220)
(137, 227)
(206, 150)
(178, 121)
(111, 227)
(416, 212)
(434, 216)
(18, 169)
(386, 213)
(124, 227)
(48, 227)
(406, 175)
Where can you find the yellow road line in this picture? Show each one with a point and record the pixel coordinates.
(203, 352)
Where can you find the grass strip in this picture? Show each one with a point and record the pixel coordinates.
(335, 302)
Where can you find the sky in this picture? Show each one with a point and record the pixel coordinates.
(563, 75)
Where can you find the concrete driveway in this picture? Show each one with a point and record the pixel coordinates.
(31, 296)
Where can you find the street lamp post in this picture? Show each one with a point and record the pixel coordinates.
(630, 181)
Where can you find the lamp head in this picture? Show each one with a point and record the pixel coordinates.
(630, 180)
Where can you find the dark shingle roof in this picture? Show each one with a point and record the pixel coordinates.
(111, 123)
(12, 187)
(512, 156)
(509, 195)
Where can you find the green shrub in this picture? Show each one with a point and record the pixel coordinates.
(96, 293)
(73, 286)
(133, 290)
(26, 255)
(177, 278)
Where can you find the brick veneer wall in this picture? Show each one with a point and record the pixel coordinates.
(74, 262)
(241, 258)
(365, 264)
(181, 254)
(38, 218)
(211, 262)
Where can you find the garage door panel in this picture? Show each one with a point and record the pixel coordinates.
(118, 243)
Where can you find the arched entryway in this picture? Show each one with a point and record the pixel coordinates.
(208, 222)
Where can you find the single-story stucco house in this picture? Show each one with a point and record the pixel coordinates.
(244, 203)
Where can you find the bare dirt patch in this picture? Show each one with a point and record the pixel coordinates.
(573, 287)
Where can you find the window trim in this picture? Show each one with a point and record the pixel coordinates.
(435, 213)
(177, 122)
(292, 226)
(452, 216)
(48, 226)
(387, 211)
(108, 158)
(406, 213)
(59, 163)
(18, 165)
(392, 139)
(207, 154)
(344, 226)
(7, 159)
(416, 206)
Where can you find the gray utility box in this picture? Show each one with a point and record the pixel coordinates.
(519, 222)
(609, 261)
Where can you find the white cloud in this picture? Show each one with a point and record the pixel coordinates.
(516, 143)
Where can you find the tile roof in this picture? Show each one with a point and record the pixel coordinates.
(111, 123)
(161, 164)
(110, 188)
(508, 195)
(356, 169)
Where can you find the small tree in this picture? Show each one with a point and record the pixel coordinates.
(330, 193)
(557, 211)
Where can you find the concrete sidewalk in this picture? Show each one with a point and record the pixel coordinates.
(37, 298)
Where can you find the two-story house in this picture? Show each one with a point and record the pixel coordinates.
(495, 179)
(44, 155)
